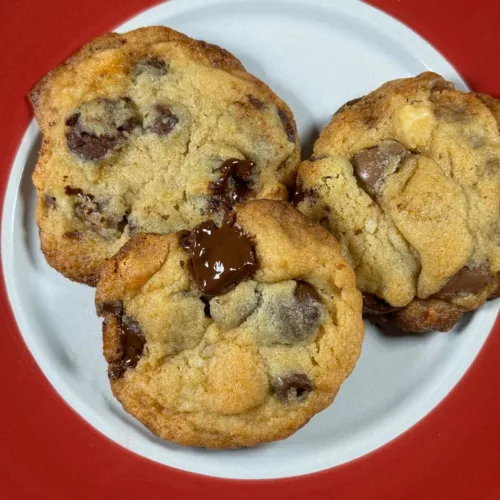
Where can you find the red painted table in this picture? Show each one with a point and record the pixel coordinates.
(47, 451)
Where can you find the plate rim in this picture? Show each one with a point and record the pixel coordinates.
(20, 349)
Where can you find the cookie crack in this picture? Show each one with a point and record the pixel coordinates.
(391, 224)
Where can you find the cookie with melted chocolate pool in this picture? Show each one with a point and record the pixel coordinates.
(151, 131)
(230, 335)
(408, 179)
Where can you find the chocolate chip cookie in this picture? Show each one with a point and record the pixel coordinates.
(408, 179)
(233, 335)
(151, 131)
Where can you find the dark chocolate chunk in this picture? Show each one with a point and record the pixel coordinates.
(235, 182)
(301, 195)
(150, 64)
(256, 103)
(374, 164)
(376, 306)
(206, 309)
(89, 146)
(93, 217)
(50, 201)
(287, 125)
(301, 320)
(68, 190)
(100, 127)
(184, 239)
(86, 208)
(439, 85)
(308, 299)
(293, 319)
(93, 213)
(132, 342)
(73, 235)
(114, 307)
(72, 120)
(128, 126)
(162, 121)
(291, 387)
(468, 280)
(220, 257)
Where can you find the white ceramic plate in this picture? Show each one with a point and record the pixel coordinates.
(316, 55)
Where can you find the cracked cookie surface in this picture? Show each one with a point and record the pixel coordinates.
(408, 179)
(239, 360)
(151, 131)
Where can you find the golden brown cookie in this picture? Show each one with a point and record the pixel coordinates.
(408, 179)
(151, 131)
(230, 336)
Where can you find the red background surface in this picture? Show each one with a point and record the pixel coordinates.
(47, 451)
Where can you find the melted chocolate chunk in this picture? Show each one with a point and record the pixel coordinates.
(235, 183)
(291, 387)
(220, 257)
(132, 342)
(374, 164)
(162, 121)
(467, 280)
(50, 201)
(152, 65)
(287, 125)
(376, 306)
(256, 103)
